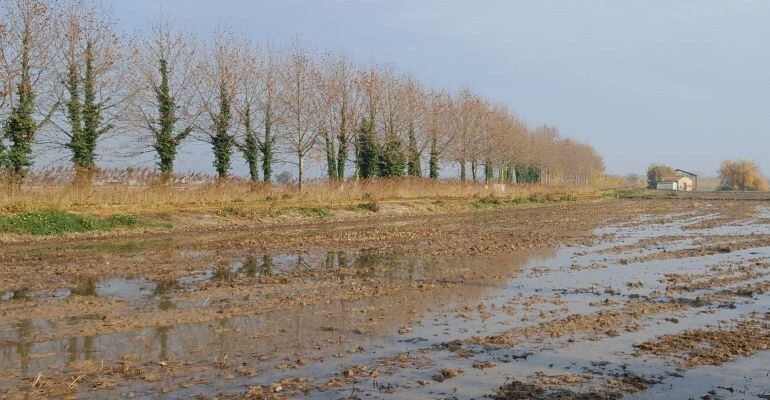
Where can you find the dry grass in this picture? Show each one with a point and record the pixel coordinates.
(122, 190)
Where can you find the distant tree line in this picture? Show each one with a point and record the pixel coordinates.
(69, 79)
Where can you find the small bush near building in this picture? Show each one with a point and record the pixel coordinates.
(656, 173)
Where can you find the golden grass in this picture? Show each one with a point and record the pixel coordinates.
(141, 189)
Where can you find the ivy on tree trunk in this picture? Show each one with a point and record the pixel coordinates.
(342, 146)
(413, 165)
(392, 162)
(489, 171)
(266, 146)
(369, 151)
(331, 156)
(85, 118)
(167, 140)
(20, 127)
(433, 161)
(250, 146)
(222, 140)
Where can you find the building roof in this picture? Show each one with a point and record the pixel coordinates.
(686, 172)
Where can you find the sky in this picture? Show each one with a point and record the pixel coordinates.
(685, 82)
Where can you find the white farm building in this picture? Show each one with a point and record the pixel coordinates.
(679, 183)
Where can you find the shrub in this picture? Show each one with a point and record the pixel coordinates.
(656, 173)
(371, 206)
(486, 202)
(741, 175)
(316, 212)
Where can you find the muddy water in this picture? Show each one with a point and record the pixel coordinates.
(416, 332)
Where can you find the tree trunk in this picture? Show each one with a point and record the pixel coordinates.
(331, 160)
(342, 157)
(300, 170)
(433, 162)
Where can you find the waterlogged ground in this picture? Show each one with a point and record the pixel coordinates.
(640, 300)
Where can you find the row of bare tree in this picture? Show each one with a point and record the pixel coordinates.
(69, 79)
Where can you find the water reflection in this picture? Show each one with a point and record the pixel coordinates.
(86, 286)
(162, 337)
(291, 330)
(80, 348)
(22, 329)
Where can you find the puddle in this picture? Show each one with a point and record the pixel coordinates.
(422, 327)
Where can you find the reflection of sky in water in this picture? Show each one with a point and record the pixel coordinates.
(284, 332)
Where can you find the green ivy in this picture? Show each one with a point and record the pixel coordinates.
(392, 160)
(20, 127)
(433, 161)
(85, 118)
(222, 140)
(413, 166)
(369, 151)
(167, 140)
(250, 146)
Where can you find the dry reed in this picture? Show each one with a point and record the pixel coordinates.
(144, 188)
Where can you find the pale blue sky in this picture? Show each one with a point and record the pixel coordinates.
(681, 82)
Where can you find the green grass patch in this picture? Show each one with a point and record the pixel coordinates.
(316, 212)
(486, 202)
(237, 211)
(370, 206)
(59, 223)
(631, 193)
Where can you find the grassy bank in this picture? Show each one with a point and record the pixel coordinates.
(56, 209)
(59, 222)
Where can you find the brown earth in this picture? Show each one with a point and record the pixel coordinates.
(466, 252)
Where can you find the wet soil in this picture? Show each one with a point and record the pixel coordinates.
(603, 300)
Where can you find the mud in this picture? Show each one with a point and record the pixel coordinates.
(602, 300)
(711, 346)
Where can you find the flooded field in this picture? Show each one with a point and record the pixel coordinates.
(639, 300)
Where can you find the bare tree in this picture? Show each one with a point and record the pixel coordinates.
(92, 68)
(28, 33)
(268, 105)
(6, 84)
(163, 80)
(259, 107)
(217, 88)
(392, 117)
(466, 111)
(439, 126)
(369, 86)
(299, 77)
(247, 104)
(340, 105)
(414, 99)
(236, 95)
(6, 70)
